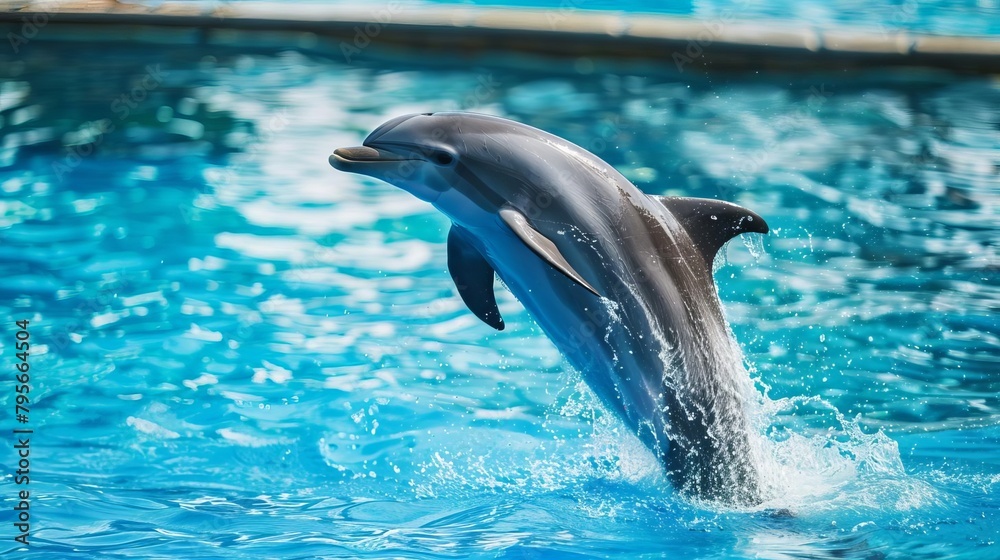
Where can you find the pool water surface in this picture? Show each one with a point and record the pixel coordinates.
(238, 352)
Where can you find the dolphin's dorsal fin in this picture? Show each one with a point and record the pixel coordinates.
(711, 223)
(541, 245)
(473, 277)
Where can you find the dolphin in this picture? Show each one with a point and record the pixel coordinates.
(620, 281)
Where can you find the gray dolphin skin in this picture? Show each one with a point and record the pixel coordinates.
(619, 280)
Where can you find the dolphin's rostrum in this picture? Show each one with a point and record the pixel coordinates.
(620, 281)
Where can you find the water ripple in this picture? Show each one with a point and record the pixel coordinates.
(243, 354)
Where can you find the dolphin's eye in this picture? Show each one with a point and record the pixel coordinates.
(441, 157)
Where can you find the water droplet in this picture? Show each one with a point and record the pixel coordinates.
(754, 243)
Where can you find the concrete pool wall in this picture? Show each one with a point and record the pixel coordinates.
(458, 32)
(462, 32)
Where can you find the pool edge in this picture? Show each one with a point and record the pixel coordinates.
(674, 42)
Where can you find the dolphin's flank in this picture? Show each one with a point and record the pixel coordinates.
(567, 233)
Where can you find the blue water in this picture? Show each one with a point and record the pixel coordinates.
(241, 353)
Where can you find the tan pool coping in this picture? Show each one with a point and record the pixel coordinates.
(679, 42)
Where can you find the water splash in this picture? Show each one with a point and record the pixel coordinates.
(721, 258)
(828, 463)
(754, 242)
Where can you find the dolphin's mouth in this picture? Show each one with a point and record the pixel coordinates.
(350, 159)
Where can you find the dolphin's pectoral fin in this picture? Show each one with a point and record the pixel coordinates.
(473, 277)
(711, 223)
(541, 245)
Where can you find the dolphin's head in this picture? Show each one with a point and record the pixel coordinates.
(481, 161)
(414, 152)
